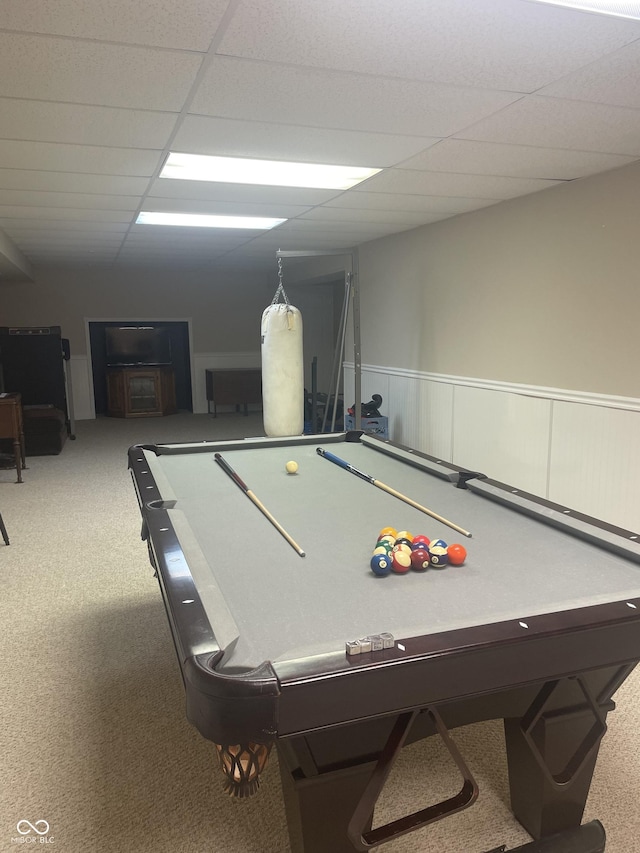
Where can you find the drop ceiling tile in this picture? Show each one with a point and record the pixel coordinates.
(189, 24)
(386, 217)
(614, 79)
(24, 179)
(343, 228)
(449, 184)
(70, 214)
(227, 137)
(350, 229)
(493, 43)
(53, 157)
(21, 227)
(406, 201)
(303, 242)
(60, 253)
(76, 200)
(238, 89)
(42, 121)
(29, 244)
(156, 254)
(520, 161)
(46, 68)
(241, 193)
(163, 236)
(557, 123)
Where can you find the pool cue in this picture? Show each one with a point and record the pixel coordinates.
(229, 470)
(349, 467)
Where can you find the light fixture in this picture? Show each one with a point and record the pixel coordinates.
(205, 220)
(617, 8)
(234, 170)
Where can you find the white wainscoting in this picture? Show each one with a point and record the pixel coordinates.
(575, 448)
(81, 388)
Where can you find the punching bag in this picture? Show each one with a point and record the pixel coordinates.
(282, 369)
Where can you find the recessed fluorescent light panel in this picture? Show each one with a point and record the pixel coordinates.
(198, 220)
(602, 7)
(233, 170)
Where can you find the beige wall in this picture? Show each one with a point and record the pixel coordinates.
(542, 290)
(226, 308)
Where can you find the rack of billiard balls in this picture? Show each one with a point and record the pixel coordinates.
(398, 552)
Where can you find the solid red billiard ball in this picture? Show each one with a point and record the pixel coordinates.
(420, 559)
(420, 539)
(457, 554)
(400, 562)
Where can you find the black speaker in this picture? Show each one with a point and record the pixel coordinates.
(32, 364)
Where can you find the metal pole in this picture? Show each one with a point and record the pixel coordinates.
(355, 299)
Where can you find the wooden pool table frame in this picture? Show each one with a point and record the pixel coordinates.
(338, 721)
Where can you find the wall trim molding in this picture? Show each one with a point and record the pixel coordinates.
(588, 398)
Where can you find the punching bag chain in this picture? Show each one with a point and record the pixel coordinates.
(280, 292)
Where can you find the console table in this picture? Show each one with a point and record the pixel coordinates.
(11, 427)
(233, 386)
(140, 392)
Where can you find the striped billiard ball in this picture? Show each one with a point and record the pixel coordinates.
(400, 562)
(439, 556)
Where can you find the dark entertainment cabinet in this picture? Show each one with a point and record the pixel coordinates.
(140, 392)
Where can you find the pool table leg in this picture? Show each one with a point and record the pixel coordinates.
(562, 729)
(541, 807)
(320, 808)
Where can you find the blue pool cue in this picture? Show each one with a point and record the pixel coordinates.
(349, 467)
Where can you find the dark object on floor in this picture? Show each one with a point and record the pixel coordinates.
(3, 530)
(35, 363)
(588, 838)
(45, 430)
(370, 409)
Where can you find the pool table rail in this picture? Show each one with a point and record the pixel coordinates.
(549, 675)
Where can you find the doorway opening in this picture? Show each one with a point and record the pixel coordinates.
(176, 353)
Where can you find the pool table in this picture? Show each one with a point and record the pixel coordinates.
(538, 627)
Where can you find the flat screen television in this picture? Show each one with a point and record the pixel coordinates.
(128, 346)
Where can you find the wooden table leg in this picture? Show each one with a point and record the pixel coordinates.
(17, 452)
